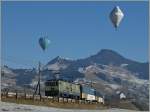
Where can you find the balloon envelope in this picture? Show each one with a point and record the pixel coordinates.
(44, 42)
(116, 16)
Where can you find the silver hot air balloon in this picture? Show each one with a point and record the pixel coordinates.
(116, 16)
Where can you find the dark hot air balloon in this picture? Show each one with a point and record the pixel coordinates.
(44, 42)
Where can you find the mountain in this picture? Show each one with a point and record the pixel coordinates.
(107, 66)
(104, 57)
(107, 71)
(58, 63)
(107, 57)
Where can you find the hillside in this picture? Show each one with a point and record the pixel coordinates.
(107, 71)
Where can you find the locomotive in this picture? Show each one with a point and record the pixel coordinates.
(65, 89)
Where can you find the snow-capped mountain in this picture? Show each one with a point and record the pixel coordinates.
(107, 71)
(104, 58)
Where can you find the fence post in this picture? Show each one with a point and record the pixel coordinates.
(25, 95)
(71, 100)
(57, 98)
(53, 99)
(33, 97)
(63, 99)
(16, 95)
(6, 94)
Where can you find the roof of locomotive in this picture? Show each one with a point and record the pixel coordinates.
(52, 80)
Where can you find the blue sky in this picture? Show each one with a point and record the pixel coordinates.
(76, 30)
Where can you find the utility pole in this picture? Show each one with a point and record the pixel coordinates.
(38, 87)
(39, 79)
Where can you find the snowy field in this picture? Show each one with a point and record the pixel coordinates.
(12, 107)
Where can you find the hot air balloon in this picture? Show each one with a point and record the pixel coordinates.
(116, 16)
(44, 42)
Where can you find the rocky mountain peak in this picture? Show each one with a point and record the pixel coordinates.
(59, 59)
(105, 52)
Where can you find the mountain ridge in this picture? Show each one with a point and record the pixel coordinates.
(106, 57)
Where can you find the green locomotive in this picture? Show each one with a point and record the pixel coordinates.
(62, 88)
(65, 89)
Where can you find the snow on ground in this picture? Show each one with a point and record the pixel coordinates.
(12, 107)
(56, 66)
(114, 86)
